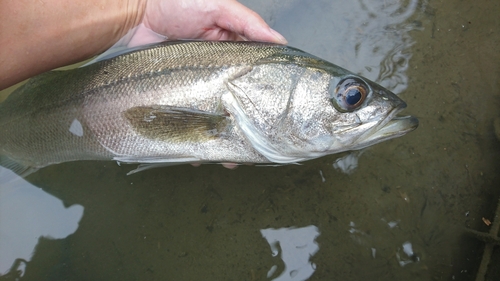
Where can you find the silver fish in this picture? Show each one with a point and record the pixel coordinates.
(184, 102)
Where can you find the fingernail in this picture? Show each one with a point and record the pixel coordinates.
(278, 36)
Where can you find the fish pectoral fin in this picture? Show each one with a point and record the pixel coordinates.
(176, 124)
(293, 56)
(18, 168)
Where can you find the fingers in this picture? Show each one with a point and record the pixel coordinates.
(246, 23)
(208, 20)
(230, 166)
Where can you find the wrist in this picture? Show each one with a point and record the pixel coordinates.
(133, 12)
(53, 33)
(138, 32)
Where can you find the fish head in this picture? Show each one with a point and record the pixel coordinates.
(295, 107)
(336, 111)
(365, 114)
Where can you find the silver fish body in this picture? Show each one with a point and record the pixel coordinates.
(182, 102)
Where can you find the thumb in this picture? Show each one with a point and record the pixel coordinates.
(239, 19)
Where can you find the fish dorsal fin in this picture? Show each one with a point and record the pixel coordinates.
(176, 124)
(134, 40)
(291, 55)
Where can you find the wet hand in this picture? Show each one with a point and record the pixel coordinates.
(206, 20)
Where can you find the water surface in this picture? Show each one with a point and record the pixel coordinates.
(400, 215)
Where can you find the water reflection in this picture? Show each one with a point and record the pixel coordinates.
(26, 215)
(296, 246)
(373, 239)
(371, 38)
(411, 256)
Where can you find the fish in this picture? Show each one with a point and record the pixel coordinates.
(196, 102)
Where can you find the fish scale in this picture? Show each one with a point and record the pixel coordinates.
(182, 102)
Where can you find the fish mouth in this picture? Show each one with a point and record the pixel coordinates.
(392, 126)
(397, 126)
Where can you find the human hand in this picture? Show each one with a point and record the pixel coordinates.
(206, 20)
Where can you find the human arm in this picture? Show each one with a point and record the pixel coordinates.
(37, 36)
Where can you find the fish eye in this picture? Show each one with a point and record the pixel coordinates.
(349, 94)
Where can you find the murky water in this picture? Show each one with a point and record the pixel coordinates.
(400, 215)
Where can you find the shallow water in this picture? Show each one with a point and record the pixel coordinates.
(400, 214)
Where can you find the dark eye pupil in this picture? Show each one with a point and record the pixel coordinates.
(353, 96)
(349, 94)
